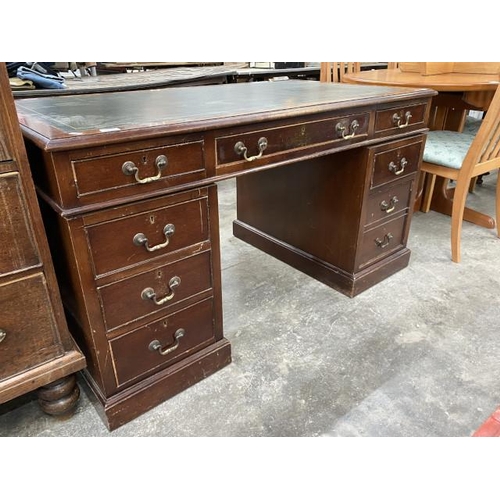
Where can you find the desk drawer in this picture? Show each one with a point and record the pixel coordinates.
(382, 241)
(143, 170)
(26, 340)
(137, 354)
(395, 160)
(148, 230)
(147, 293)
(388, 201)
(271, 144)
(400, 118)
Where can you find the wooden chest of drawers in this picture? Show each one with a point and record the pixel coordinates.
(36, 349)
(130, 206)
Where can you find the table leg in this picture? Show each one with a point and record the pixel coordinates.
(442, 202)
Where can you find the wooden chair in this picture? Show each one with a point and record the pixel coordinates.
(333, 72)
(461, 157)
(392, 65)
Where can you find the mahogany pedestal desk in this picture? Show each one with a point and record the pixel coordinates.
(325, 182)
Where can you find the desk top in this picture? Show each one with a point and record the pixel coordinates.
(53, 122)
(446, 82)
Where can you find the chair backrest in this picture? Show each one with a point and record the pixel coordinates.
(392, 65)
(484, 152)
(334, 71)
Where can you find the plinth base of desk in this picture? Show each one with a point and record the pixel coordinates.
(347, 283)
(128, 404)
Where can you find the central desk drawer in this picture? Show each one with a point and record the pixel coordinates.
(148, 230)
(147, 293)
(151, 348)
(275, 143)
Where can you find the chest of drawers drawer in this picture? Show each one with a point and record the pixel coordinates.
(18, 250)
(128, 236)
(148, 293)
(279, 143)
(380, 241)
(395, 160)
(26, 340)
(161, 343)
(4, 149)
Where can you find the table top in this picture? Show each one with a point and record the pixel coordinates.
(134, 81)
(446, 82)
(102, 118)
(166, 77)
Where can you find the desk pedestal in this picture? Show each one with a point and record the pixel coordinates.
(322, 217)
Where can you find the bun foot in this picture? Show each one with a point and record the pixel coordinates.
(60, 397)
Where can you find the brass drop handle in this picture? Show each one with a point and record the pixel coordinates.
(383, 243)
(389, 207)
(396, 119)
(341, 129)
(140, 239)
(155, 345)
(130, 168)
(398, 169)
(150, 294)
(241, 149)
(3, 334)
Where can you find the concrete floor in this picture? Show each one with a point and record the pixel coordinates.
(416, 355)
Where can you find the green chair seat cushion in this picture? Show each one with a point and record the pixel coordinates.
(447, 148)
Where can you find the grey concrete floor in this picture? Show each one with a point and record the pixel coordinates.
(416, 355)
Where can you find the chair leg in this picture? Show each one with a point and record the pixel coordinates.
(498, 204)
(430, 181)
(457, 216)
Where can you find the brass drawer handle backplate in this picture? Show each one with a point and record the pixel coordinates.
(341, 129)
(397, 118)
(385, 242)
(130, 168)
(150, 294)
(398, 169)
(241, 149)
(3, 334)
(140, 239)
(155, 345)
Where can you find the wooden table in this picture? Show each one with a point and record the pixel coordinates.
(325, 182)
(457, 93)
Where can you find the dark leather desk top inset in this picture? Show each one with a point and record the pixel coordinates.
(188, 109)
